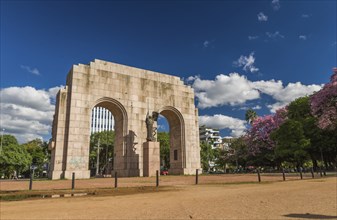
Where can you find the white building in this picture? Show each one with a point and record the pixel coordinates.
(101, 120)
(211, 136)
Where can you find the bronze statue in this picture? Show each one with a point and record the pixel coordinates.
(151, 131)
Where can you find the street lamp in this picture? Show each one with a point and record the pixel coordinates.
(2, 137)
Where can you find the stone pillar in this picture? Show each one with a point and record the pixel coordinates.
(151, 158)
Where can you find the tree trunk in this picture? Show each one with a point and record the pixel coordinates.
(314, 162)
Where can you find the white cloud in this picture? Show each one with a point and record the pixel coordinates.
(206, 43)
(224, 90)
(302, 37)
(276, 4)
(289, 93)
(234, 89)
(28, 97)
(262, 17)
(29, 69)
(276, 35)
(247, 63)
(253, 37)
(218, 121)
(191, 78)
(305, 16)
(257, 107)
(26, 112)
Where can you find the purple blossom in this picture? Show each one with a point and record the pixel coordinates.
(258, 136)
(324, 104)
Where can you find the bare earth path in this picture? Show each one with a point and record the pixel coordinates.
(305, 199)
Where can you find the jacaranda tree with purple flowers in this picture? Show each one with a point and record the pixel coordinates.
(324, 104)
(324, 108)
(258, 138)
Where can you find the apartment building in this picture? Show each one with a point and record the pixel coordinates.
(101, 120)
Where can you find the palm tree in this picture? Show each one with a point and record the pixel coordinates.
(250, 115)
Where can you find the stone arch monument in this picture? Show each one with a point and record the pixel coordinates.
(129, 94)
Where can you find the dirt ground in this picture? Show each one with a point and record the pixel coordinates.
(300, 199)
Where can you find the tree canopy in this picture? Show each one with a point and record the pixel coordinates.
(13, 157)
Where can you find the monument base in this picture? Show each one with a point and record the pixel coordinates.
(151, 158)
(79, 174)
(56, 175)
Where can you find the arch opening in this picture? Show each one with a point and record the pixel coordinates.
(176, 140)
(102, 136)
(108, 128)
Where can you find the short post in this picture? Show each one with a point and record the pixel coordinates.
(116, 179)
(301, 175)
(197, 176)
(73, 181)
(157, 178)
(312, 172)
(258, 175)
(31, 182)
(284, 175)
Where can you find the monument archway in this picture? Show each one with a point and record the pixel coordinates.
(130, 94)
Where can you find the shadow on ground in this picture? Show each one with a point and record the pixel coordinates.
(310, 216)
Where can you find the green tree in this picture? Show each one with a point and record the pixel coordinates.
(207, 154)
(250, 115)
(164, 140)
(39, 156)
(322, 142)
(291, 143)
(105, 140)
(13, 157)
(239, 155)
(8, 139)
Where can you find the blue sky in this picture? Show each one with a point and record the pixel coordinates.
(236, 54)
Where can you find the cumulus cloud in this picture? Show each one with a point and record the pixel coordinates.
(276, 35)
(262, 17)
(302, 37)
(247, 62)
(27, 112)
(219, 121)
(253, 37)
(29, 69)
(234, 90)
(276, 4)
(287, 94)
(224, 90)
